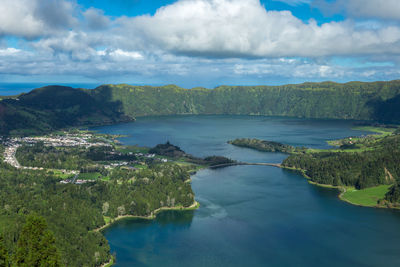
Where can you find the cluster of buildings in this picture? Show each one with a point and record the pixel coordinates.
(67, 140)
(9, 155)
(77, 181)
(145, 155)
(149, 156)
(116, 164)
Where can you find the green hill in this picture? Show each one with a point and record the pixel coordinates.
(355, 100)
(55, 107)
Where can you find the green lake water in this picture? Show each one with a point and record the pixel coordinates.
(253, 215)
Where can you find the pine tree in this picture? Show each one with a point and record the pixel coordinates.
(36, 245)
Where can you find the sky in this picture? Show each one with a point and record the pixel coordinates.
(194, 43)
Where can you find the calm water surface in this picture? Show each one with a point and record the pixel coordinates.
(253, 215)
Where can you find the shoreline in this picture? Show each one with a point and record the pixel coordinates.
(342, 190)
(341, 197)
(109, 263)
(152, 215)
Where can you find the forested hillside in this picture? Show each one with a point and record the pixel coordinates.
(54, 107)
(72, 212)
(355, 100)
(367, 163)
(355, 164)
(263, 145)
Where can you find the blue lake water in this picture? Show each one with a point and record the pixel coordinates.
(253, 215)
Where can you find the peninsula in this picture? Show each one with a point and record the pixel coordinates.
(364, 169)
(77, 182)
(263, 145)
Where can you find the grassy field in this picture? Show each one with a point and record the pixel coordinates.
(111, 263)
(366, 197)
(361, 144)
(107, 219)
(139, 166)
(90, 176)
(133, 149)
(61, 174)
(379, 130)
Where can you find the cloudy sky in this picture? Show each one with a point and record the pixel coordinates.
(199, 42)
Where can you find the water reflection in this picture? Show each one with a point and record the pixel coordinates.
(182, 219)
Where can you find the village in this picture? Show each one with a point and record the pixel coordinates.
(85, 140)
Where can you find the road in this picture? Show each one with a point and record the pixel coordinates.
(278, 165)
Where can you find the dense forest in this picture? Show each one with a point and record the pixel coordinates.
(176, 152)
(355, 162)
(374, 162)
(55, 107)
(263, 145)
(355, 100)
(362, 170)
(71, 212)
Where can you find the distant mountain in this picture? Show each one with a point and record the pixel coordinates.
(54, 107)
(377, 101)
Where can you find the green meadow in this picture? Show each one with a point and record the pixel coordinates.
(365, 197)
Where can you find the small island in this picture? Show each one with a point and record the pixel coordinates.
(177, 154)
(263, 145)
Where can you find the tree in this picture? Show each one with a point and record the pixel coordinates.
(36, 245)
(3, 254)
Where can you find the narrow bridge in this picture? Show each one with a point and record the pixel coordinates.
(278, 165)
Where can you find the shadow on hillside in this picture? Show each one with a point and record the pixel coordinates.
(54, 107)
(104, 97)
(387, 111)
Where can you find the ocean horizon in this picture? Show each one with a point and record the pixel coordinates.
(7, 89)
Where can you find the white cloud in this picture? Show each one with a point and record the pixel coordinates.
(201, 28)
(194, 39)
(95, 19)
(108, 66)
(121, 54)
(34, 18)
(290, 69)
(243, 28)
(78, 45)
(18, 19)
(9, 51)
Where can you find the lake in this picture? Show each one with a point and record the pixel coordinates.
(252, 215)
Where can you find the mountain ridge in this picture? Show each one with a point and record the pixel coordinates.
(353, 100)
(54, 107)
